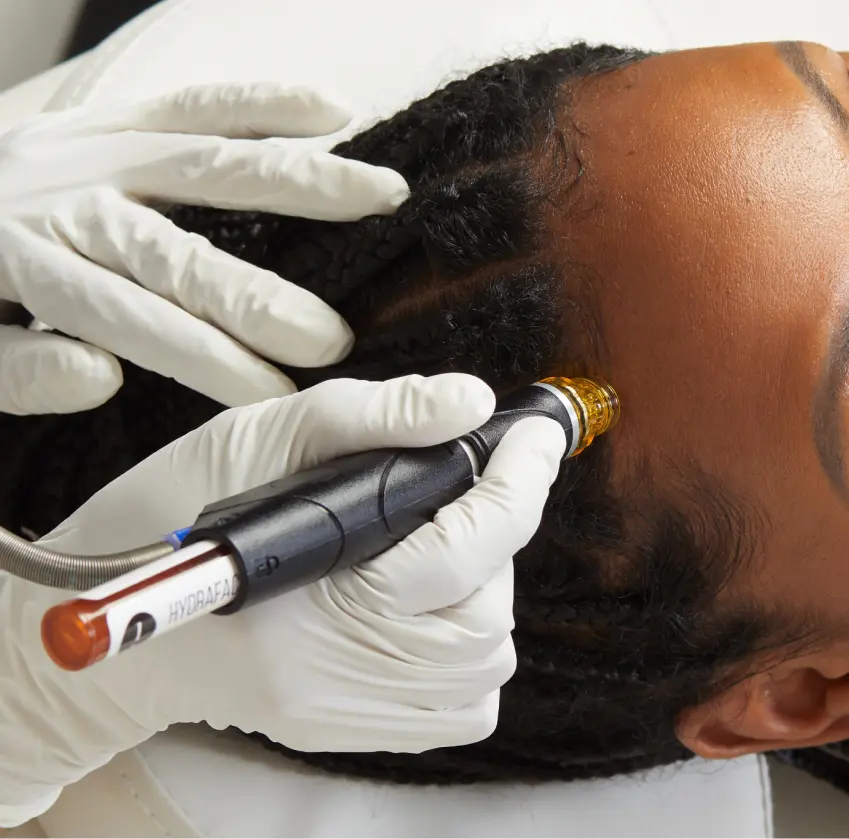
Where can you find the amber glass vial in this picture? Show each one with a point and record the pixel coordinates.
(595, 402)
(76, 633)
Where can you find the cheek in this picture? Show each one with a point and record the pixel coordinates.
(804, 561)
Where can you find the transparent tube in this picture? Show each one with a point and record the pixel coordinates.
(596, 402)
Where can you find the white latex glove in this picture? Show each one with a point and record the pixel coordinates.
(404, 653)
(81, 250)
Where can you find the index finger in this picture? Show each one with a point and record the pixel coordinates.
(445, 561)
(247, 110)
(260, 175)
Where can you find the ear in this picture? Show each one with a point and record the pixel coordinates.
(799, 703)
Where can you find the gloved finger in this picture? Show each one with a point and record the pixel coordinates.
(88, 302)
(426, 691)
(456, 726)
(247, 447)
(451, 686)
(343, 416)
(42, 373)
(457, 636)
(444, 561)
(482, 621)
(391, 727)
(255, 175)
(274, 318)
(416, 693)
(335, 418)
(237, 110)
(448, 664)
(246, 110)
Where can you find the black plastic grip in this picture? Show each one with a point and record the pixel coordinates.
(293, 531)
(534, 401)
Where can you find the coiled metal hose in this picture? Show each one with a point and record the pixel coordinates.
(69, 571)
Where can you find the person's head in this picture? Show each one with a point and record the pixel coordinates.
(678, 225)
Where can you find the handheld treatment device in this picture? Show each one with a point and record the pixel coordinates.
(286, 534)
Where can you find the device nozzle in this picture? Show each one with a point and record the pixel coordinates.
(596, 403)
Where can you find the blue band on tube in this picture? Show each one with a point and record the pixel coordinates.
(175, 538)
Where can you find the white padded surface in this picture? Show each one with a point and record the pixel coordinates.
(193, 781)
(701, 800)
(378, 55)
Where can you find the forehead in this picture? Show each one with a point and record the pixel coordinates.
(705, 129)
(715, 219)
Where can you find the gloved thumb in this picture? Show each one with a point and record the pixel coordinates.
(43, 373)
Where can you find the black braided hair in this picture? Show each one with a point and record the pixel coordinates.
(617, 630)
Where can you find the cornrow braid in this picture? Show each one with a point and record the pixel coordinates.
(617, 630)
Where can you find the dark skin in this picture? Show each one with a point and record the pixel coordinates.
(723, 253)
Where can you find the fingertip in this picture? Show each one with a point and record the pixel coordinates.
(467, 397)
(549, 432)
(324, 347)
(301, 330)
(395, 187)
(91, 379)
(478, 721)
(262, 383)
(539, 433)
(104, 374)
(332, 115)
(312, 112)
(534, 446)
(419, 410)
(243, 109)
(65, 376)
(372, 190)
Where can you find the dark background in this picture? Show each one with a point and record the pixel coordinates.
(100, 18)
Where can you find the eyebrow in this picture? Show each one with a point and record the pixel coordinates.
(827, 413)
(827, 407)
(793, 55)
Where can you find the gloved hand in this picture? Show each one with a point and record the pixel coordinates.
(81, 250)
(404, 653)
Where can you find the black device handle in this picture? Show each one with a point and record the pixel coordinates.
(293, 531)
(537, 400)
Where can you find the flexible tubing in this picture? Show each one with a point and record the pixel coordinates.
(69, 571)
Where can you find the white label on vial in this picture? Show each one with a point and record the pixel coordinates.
(171, 602)
(145, 572)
